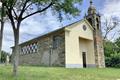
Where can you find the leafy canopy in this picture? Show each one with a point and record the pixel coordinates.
(117, 42)
(31, 7)
(112, 53)
(109, 48)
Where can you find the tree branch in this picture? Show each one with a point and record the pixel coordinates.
(15, 13)
(110, 27)
(28, 6)
(9, 13)
(113, 36)
(39, 11)
(23, 9)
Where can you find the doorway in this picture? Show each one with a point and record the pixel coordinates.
(84, 59)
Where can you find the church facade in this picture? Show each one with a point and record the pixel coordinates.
(77, 45)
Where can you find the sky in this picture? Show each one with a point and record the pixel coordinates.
(37, 25)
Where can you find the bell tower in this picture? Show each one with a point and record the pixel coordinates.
(94, 19)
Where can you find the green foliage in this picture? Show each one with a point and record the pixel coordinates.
(108, 48)
(3, 14)
(117, 42)
(2, 11)
(113, 60)
(58, 7)
(3, 56)
(66, 7)
(112, 53)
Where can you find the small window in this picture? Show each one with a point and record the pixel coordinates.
(28, 49)
(57, 41)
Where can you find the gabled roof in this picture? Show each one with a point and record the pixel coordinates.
(83, 20)
(57, 30)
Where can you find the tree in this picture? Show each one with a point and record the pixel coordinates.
(117, 44)
(109, 25)
(112, 53)
(113, 60)
(111, 49)
(108, 48)
(2, 20)
(18, 10)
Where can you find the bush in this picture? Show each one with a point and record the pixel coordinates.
(113, 60)
(3, 56)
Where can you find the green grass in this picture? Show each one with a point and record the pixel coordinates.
(46, 73)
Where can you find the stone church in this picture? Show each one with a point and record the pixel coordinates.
(77, 45)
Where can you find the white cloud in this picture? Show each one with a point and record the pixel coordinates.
(30, 28)
(110, 9)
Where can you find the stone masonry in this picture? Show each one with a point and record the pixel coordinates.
(48, 50)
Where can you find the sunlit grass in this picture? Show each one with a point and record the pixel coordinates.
(56, 73)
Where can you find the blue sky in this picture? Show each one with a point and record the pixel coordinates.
(38, 25)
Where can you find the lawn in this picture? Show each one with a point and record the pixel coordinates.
(56, 73)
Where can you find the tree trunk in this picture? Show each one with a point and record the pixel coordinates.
(1, 37)
(16, 51)
(1, 30)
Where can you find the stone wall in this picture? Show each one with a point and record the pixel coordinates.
(100, 61)
(47, 50)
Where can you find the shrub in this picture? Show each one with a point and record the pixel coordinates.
(113, 60)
